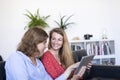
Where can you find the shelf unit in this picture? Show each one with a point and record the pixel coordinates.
(104, 50)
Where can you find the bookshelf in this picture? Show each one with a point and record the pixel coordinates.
(104, 50)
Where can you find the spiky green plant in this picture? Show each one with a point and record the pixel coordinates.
(63, 23)
(36, 19)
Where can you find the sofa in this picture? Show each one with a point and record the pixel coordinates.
(98, 72)
(2, 70)
(1, 59)
(102, 72)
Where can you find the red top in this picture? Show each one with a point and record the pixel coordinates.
(51, 65)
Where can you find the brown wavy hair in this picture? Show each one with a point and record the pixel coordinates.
(30, 39)
(65, 52)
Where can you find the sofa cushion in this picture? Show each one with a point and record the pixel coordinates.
(77, 55)
(2, 70)
(104, 72)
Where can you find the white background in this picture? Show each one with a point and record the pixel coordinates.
(90, 16)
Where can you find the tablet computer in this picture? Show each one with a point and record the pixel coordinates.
(84, 62)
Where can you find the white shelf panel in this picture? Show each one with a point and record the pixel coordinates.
(104, 56)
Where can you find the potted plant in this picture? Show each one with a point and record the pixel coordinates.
(36, 20)
(63, 23)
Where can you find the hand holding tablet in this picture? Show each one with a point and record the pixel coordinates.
(84, 62)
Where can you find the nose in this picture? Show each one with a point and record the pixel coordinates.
(56, 41)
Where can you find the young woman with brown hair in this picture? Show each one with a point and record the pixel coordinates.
(58, 57)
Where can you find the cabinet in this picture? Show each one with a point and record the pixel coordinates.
(104, 50)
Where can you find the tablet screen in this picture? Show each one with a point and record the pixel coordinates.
(84, 62)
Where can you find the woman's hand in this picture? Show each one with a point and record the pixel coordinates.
(79, 75)
(89, 65)
(70, 69)
(82, 71)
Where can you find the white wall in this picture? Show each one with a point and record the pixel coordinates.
(90, 16)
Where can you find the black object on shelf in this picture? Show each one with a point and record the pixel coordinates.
(87, 36)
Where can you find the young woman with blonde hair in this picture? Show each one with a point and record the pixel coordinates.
(59, 55)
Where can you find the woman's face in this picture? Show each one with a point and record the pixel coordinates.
(56, 41)
(41, 47)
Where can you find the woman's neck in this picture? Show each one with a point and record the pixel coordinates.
(33, 60)
(56, 55)
(54, 52)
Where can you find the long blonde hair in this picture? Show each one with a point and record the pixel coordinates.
(65, 52)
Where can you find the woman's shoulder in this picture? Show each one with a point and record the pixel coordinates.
(47, 56)
(15, 59)
(17, 56)
(47, 53)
